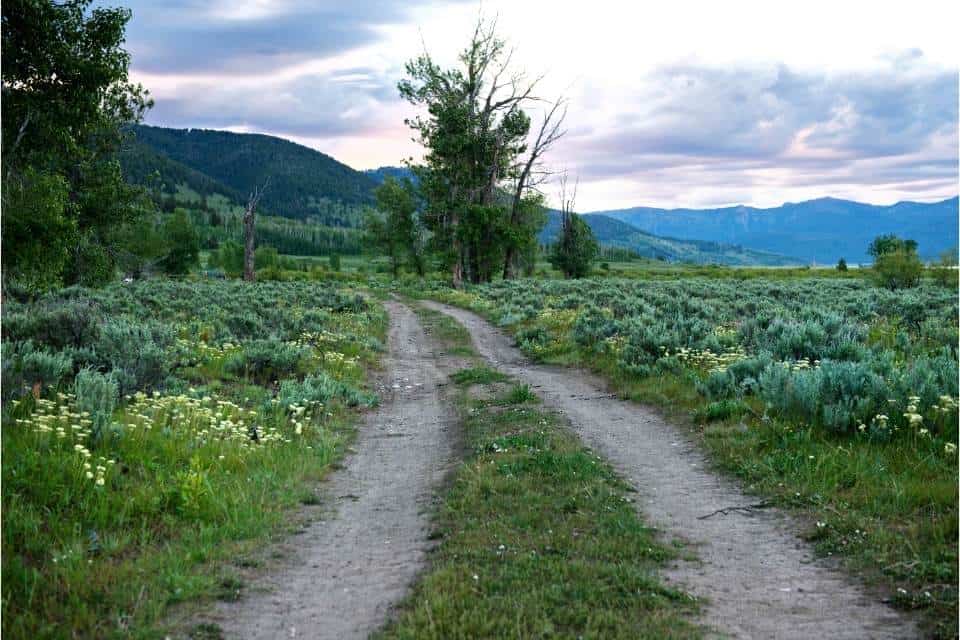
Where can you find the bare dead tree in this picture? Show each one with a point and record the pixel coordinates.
(530, 174)
(249, 224)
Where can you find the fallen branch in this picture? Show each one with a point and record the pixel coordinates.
(746, 510)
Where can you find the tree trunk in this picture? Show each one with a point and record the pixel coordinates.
(249, 273)
(457, 274)
(508, 263)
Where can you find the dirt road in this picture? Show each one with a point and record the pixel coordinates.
(348, 569)
(758, 578)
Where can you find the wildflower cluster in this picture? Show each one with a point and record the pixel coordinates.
(707, 359)
(803, 364)
(202, 420)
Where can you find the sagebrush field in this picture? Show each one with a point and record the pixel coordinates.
(829, 396)
(156, 426)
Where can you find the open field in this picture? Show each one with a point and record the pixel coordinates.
(157, 434)
(833, 398)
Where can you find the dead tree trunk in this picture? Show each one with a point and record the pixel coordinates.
(550, 132)
(249, 231)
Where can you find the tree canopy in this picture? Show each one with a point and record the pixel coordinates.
(479, 174)
(66, 101)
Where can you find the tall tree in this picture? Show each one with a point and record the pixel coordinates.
(474, 133)
(576, 248)
(527, 216)
(395, 228)
(66, 102)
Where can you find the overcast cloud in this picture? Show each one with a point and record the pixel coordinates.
(698, 123)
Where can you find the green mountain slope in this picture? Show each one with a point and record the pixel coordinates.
(304, 183)
(611, 232)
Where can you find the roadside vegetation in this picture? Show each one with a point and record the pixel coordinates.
(537, 535)
(155, 434)
(833, 397)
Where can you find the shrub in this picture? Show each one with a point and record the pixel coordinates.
(183, 244)
(266, 360)
(96, 394)
(899, 269)
(722, 410)
(136, 351)
(519, 394)
(321, 388)
(58, 326)
(945, 270)
(25, 365)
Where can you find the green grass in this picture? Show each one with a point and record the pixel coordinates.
(538, 538)
(188, 498)
(887, 511)
(478, 375)
(450, 333)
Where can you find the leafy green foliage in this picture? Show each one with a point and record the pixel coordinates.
(575, 249)
(304, 183)
(37, 229)
(183, 252)
(144, 469)
(66, 98)
(395, 227)
(945, 270)
(890, 243)
(473, 135)
(898, 269)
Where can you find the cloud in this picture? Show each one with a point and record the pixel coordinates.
(692, 126)
(343, 102)
(672, 133)
(197, 36)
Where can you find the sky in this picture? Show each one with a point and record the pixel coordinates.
(688, 104)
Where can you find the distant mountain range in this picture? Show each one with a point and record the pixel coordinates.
(821, 231)
(305, 183)
(611, 232)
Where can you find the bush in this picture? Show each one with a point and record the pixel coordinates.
(72, 323)
(183, 244)
(136, 351)
(25, 365)
(266, 360)
(321, 388)
(945, 270)
(899, 269)
(96, 394)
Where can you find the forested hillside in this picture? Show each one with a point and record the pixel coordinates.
(304, 183)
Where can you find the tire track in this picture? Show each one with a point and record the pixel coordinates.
(350, 568)
(758, 579)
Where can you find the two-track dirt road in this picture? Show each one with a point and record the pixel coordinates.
(758, 579)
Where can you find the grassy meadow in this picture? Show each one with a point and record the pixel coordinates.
(157, 434)
(828, 395)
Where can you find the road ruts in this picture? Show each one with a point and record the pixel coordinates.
(758, 580)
